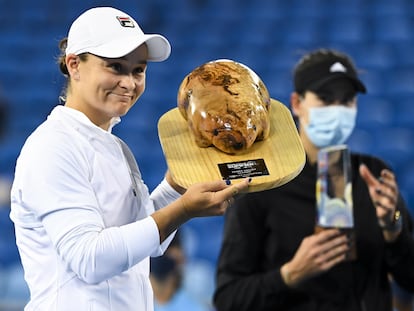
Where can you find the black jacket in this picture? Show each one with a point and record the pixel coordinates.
(263, 230)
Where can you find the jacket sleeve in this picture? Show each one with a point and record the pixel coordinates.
(240, 283)
(53, 187)
(162, 196)
(399, 255)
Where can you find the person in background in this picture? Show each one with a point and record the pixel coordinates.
(166, 275)
(85, 221)
(271, 256)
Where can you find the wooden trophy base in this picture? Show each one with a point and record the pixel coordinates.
(271, 162)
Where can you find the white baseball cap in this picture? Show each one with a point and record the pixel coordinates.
(109, 32)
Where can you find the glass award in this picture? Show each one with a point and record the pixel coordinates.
(334, 192)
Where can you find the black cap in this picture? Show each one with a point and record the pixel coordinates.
(317, 69)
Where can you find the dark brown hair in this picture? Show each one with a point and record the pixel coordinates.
(61, 61)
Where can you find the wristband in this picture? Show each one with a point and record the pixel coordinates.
(396, 223)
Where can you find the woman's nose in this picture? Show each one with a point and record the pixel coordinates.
(128, 82)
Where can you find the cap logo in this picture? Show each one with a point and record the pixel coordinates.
(337, 67)
(125, 21)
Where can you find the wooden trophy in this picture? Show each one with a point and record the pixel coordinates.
(226, 126)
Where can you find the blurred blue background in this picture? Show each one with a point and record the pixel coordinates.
(269, 36)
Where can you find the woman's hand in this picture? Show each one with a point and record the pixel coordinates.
(211, 198)
(199, 200)
(316, 254)
(384, 195)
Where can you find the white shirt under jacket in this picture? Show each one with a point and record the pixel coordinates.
(84, 238)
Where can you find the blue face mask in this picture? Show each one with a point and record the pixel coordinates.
(331, 125)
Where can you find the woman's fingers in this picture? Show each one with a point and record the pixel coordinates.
(231, 191)
(212, 198)
(383, 192)
(318, 253)
(367, 176)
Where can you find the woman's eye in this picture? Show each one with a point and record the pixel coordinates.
(116, 66)
(138, 70)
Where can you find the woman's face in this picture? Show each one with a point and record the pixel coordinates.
(302, 104)
(104, 88)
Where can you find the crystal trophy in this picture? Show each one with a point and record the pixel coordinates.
(334, 193)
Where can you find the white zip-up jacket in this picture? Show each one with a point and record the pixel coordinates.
(83, 226)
